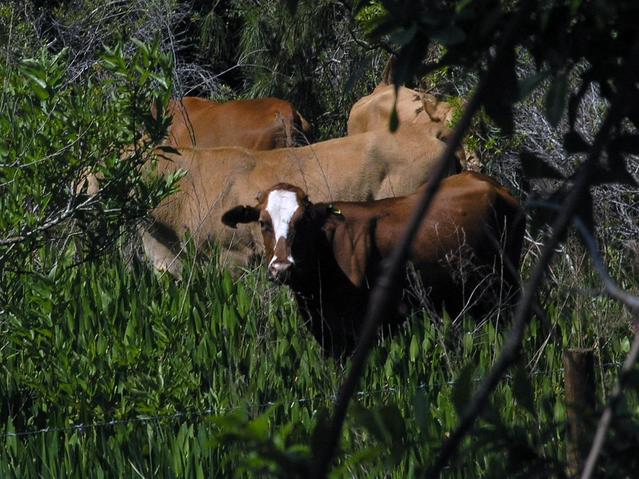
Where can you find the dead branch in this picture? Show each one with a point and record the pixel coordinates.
(582, 181)
(606, 417)
(382, 297)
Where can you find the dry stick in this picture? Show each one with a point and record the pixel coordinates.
(382, 299)
(606, 417)
(579, 392)
(611, 287)
(582, 181)
(632, 303)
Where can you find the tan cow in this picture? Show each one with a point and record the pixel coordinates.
(360, 167)
(259, 124)
(373, 112)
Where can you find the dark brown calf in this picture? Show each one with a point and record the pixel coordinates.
(331, 254)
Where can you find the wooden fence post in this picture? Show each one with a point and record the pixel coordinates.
(579, 384)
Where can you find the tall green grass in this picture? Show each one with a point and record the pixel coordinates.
(106, 372)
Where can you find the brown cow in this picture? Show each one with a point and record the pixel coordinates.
(331, 254)
(359, 167)
(260, 124)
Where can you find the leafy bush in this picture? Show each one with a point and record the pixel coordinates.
(55, 132)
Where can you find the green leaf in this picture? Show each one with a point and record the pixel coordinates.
(12, 440)
(414, 348)
(37, 74)
(258, 428)
(523, 391)
(463, 387)
(535, 167)
(556, 99)
(41, 93)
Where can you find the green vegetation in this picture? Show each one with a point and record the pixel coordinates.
(219, 376)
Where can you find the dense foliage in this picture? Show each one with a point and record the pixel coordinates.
(54, 133)
(130, 372)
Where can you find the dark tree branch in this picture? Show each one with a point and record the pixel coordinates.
(606, 417)
(582, 182)
(382, 298)
(610, 286)
(632, 303)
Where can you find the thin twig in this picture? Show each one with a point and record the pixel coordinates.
(606, 417)
(68, 211)
(383, 298)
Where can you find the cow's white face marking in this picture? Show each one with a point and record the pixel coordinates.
(281, 205)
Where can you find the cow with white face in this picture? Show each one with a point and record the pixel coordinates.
(465, 254)
(282, 206)
(277, 212)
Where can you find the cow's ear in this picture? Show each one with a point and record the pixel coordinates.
(240, 214)
(320, 211)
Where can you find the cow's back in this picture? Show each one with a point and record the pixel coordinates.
(373, 111)
(259, 124)
(472, 224)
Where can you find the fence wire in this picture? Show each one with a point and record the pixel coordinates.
(210, 412)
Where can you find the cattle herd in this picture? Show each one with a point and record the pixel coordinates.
(325, 216)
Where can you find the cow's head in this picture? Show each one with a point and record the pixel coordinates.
(288, 223)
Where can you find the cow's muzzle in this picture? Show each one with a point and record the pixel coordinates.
(279, 271)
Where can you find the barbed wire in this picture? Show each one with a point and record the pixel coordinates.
(82, 427)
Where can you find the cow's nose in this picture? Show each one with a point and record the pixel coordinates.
(279, 270)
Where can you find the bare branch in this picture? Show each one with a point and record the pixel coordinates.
(382, 298)
(68, 211)
(606, 417)
(513, 342)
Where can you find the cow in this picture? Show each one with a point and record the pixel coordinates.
(369, 166)
(373, 112)
(331, 254)
(258, 124)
